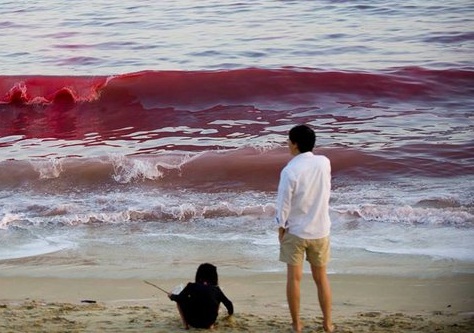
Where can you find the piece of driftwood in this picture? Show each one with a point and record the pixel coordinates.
(154, 285)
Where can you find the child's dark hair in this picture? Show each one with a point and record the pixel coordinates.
(207, 273)
(304, 137)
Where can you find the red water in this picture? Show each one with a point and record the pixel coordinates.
(197, 90)
(124, 119)
(376, 124)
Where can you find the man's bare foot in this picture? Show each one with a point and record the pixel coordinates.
(329, 328)
(296, 327)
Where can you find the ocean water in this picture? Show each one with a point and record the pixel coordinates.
(141, 139)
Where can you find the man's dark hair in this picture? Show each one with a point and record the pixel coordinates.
(207, 273)
(304, 137)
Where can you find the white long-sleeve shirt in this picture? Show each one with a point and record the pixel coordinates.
(303, 196)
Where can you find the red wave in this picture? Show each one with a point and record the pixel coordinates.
(204, 89)
(242, 169)
(19, 90)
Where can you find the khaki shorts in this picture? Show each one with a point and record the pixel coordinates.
(293, 248)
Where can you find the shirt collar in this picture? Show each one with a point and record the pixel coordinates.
(302, 156)
(308, 153)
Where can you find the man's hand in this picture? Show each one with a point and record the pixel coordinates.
(281, 233)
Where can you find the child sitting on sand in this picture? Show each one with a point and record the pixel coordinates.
(198, 303)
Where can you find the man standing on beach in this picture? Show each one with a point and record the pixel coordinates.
(302, 215)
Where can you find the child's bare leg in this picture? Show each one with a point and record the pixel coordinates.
(185, 323)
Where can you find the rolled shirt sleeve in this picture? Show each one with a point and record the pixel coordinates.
(283, 203)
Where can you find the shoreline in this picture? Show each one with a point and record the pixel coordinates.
(361, 303)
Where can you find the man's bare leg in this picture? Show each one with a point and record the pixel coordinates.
(293, 280)
(324, 295)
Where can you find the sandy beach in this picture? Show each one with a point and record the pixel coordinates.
(361, 304)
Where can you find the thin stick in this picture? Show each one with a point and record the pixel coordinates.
(154, 285)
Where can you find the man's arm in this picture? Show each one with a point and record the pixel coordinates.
(283, 203)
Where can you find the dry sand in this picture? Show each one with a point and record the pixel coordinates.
(361, 304)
